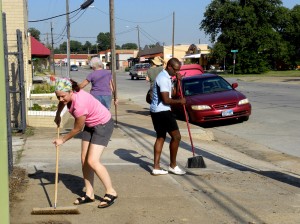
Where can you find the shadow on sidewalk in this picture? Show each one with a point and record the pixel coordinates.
(278, 176)
(134, 157)
(74, 183)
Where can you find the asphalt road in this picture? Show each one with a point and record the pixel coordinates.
(274, 123)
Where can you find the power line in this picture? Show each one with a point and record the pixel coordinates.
(153, 21)
(84, 5)
(40, 20)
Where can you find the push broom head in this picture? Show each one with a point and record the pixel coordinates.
(196, 162)
(53, 211)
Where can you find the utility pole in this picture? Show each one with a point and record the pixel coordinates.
(68, 39)
(173, 34)
(139, 44)
(52, 49)
(113, 51)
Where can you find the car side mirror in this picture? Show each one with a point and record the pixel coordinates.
(234, 85)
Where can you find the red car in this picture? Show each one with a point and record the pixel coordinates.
(210, 97)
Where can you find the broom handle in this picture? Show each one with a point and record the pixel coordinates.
(56, 171)
(186, 118)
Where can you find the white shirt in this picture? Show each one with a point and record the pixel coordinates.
(162, 84)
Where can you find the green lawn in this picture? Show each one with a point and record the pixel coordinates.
(291, 73)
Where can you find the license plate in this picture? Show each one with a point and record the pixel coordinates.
(227, 113)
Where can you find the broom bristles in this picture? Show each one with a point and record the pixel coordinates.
(53, 211)
(196, 162)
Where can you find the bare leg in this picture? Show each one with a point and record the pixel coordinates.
(157, 151)
(88, 172)
(174, 144)
(93, 159)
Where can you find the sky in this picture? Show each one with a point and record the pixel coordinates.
(154, 19)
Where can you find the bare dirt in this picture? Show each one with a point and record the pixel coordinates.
(17, 183)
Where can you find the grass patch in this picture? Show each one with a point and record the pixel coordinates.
(291, 73)
(29, 131)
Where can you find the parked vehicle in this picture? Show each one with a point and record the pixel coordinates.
(210, 97)
(73, 68)
(139, 70)
(191, 70)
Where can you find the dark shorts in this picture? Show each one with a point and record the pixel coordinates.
(100, 134)
(163, 123)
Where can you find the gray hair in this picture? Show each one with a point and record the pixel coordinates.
(96, 63)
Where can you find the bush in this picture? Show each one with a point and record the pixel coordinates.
(127, 69)
(38, 107)
(43, 88)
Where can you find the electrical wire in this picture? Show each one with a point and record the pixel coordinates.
(153, 21)
(40, 20)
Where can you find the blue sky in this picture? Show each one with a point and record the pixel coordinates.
(155, 19)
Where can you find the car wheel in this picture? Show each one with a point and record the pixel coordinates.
(246, 118)
(131, 77)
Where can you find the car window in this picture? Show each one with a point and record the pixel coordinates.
(193, 88)
(205, 85)
(146, 65)
(216, 84)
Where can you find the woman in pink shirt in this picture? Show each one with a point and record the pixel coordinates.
(97, 124)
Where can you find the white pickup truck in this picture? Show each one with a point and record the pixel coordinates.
(139, 70)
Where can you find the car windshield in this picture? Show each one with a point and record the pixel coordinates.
(140, 66)
(205, 85)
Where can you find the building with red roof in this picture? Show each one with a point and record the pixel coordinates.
(38, 50)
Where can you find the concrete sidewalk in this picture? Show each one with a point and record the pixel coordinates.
(234, 188)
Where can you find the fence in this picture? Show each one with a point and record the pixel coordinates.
(15, 90)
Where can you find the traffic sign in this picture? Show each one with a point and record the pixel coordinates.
(234, 51)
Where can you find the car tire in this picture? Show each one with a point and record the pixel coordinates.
(246, 118)
(131, 77)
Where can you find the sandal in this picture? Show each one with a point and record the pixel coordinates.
(108, 199)
(83, 200)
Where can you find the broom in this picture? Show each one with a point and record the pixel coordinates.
(195, 161)
(55, 210)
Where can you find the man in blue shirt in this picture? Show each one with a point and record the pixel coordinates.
(162, 118)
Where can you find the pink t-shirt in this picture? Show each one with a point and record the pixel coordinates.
(84, 103)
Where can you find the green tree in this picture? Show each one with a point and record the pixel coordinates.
(103, 40)
(129, 46)
(34, 33)
(289, 28)
(249, 27)
(75, 46)
(86, 47)
(63, 48)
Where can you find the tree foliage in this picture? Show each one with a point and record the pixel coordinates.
(130, 46)
(259, 29)
(34, 33)
(103, 40)
(102, 44)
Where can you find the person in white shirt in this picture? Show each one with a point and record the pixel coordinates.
(162, 118)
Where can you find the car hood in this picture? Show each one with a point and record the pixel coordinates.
(215, 98)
